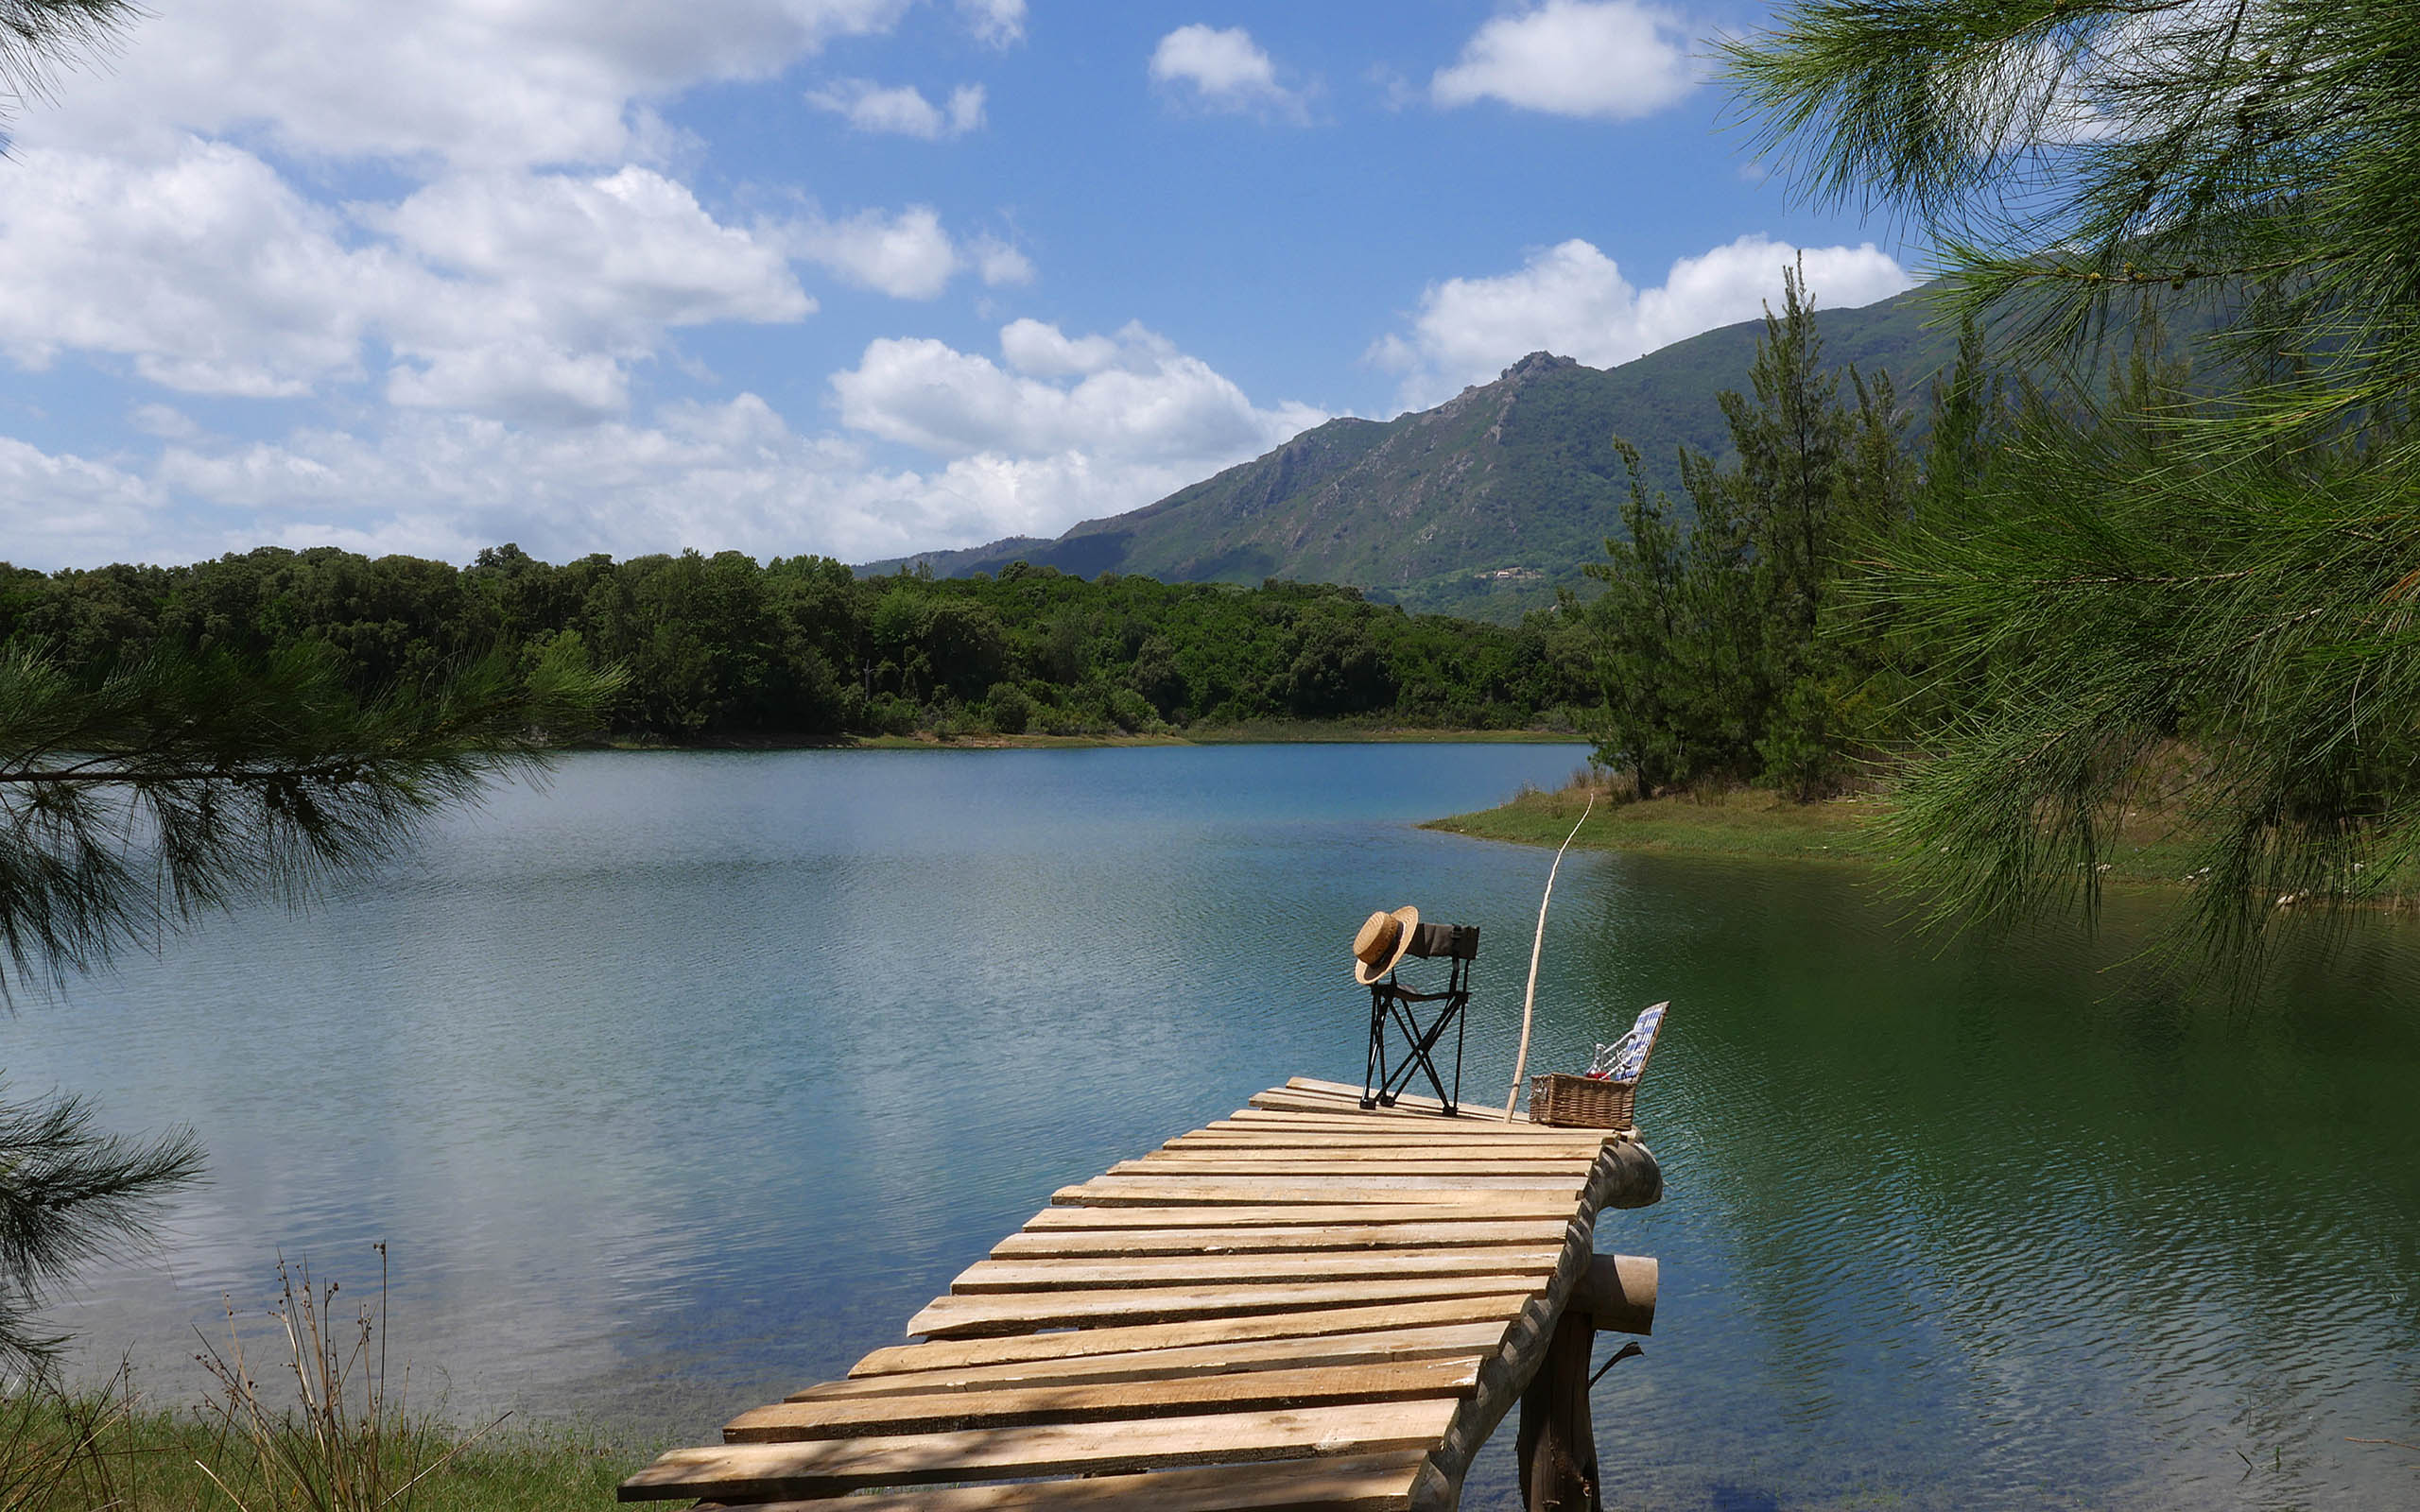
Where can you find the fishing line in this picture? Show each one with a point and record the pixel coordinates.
(1530, 999)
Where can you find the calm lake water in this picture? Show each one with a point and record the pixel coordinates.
(686, 1081)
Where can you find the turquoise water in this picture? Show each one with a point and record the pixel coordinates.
(688, 1081)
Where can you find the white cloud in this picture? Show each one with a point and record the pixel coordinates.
(999, 263)
(1085, 426)
(1572, 300)
(905, 254)
(997, 22)
(207, 270)
(1044, 350)
(485, 82)
(57, 511)
(1139, 400)
(1224, 71)
(1605, 59)
(903, 110)
(506, 292)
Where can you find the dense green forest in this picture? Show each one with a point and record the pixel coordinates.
(720, 649)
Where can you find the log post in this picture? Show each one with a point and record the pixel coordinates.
(1618, 1292)
(1557, 1445)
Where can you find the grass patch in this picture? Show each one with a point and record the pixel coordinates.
(305, 1419)
(1747, 823)
(77, 1452)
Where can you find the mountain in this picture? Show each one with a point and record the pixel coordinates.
(1480, 507)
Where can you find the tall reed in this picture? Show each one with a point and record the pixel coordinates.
(345, 1443)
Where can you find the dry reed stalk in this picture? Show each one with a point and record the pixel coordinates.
(345, 1445)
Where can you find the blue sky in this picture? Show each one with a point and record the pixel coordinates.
(856, 276)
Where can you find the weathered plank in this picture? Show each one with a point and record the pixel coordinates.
(1032, 1245)
(1433, 1342)
(756, 1472)
(1306, 1105)
(1081, 1273)
(1529, 1207)
(1344, 1142)
(1101, 1401)
(1297, 1162)
(1359, 1483)
(952, 1354)
(1209, 1190)
(954, 1316)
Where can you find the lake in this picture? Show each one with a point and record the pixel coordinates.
(683, 1082)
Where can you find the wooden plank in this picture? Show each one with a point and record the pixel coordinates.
(1209, 1188)
(954, 1316)
(1359, 1483)
(1031, 1245)
(1435, 1342)
(756, 1472)
(1299, 1162)
(1303, 1105)
(1100, 1401)
(1348, 1101)
(1289, 1101)
(1341, 1147)
(1350, 1090)
(1530, 1207)
(955, 1354)
(1093, 1273)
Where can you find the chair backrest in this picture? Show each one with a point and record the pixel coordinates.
(1459, 941)
(1630, 1055)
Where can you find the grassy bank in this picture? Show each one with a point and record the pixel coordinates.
(1262, 732)
(75, 1452)
(1751, 824)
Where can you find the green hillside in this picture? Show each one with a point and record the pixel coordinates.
(1480, 507)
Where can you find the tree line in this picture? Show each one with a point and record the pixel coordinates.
(721, 649)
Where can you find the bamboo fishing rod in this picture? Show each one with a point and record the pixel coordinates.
(1530, 999)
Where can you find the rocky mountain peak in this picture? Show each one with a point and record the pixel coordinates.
(1538, 364)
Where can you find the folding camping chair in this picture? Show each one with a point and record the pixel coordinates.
(1390, 1002)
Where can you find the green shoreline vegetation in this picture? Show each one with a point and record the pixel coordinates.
(1743, 823)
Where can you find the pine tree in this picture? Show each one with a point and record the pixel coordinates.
(2142, 582)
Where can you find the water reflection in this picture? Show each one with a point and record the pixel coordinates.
(691, 1079)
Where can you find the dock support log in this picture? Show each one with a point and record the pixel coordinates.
(1557, 1445)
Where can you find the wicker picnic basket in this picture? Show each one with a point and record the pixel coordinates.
(1581, 1102)
(1600, 1102)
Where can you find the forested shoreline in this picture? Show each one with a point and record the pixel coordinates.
(723, 650)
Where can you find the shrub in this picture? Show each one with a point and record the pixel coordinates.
(1011, 710)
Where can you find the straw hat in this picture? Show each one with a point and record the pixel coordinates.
(1383, 942)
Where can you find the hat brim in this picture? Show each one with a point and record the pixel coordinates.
(1366, 975)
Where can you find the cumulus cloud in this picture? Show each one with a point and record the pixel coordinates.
(997, 22)
(472, 82)
(517, 293)
(207, 270)
(905, 254)
(61, 509)
(1572, 300)
(1603, 59)
(1224, 71)
(1135, 397)
(1044, 350)
(1062, 427)
(903, 110)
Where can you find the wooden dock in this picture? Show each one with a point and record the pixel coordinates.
(1303, 1305)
